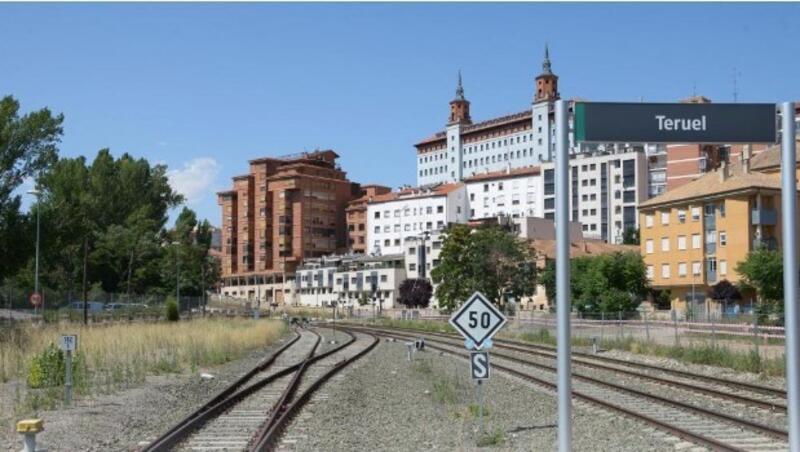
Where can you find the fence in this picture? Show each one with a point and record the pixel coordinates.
(15, 305)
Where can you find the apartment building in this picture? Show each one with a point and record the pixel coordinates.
(395, 216)
(465, 148)
(357, 217)
(693, 236)
(358, 281)
(513, 192)
(284, 210)
(605, 190)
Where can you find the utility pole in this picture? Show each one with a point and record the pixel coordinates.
(38, 193)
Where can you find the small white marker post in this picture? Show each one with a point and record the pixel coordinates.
(68, 344)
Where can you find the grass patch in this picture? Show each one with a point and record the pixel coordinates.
(115, 356)
(445, 391)
(493, 439)
(474, 410)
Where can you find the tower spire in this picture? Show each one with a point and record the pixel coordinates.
(546, 63)
(459, 88)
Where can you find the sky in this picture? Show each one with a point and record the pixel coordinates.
(203, 88)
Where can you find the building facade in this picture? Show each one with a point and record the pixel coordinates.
(605, 191)
(693, 236)
(357, 217)
(512, 192)
(393, 217)
(284, 210)
(358, 281)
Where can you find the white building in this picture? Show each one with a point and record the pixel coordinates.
(356, 280)
(393, 217)
(605, 190)
(513, 192)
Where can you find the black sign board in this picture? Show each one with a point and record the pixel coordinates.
(479, 365)
(675, 123)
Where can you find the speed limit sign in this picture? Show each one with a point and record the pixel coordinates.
(477, 320)
(36, 299)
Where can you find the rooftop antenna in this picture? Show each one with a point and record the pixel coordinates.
(694, 90)
(736, 74)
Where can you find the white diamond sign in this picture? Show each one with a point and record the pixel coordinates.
(477, 320)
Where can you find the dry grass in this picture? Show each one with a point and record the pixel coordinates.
(123, 354)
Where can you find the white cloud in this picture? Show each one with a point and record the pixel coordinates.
(195, 179)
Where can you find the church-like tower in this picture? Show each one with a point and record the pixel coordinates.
(546, 82)
(459, 107)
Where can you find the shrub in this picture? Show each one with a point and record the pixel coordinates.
(47, 368)
(172, 310)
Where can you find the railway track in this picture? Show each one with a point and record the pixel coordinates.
(703, 425)
(249, 414)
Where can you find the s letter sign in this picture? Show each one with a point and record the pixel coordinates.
(675, 123)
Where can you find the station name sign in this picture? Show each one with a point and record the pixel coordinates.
(675, 123)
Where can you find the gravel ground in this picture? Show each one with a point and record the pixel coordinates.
(385, 403)
(121, 421)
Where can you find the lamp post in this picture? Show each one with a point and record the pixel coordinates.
(38, 193)
(333, 304)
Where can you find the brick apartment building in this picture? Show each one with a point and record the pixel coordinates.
(357, 217)
(285, 209)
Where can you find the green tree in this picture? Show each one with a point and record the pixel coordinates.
(490, 260)
(104, 223)
(762, 271)
(28, 145)
(606, 283)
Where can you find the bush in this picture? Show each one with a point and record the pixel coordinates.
(172, 310)
(47, 368)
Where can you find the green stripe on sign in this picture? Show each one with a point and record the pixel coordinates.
(580, 121)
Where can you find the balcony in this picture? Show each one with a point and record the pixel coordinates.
(769, 243)
(765, 217)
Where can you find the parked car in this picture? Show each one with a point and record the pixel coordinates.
(94, 306)
(119, 307)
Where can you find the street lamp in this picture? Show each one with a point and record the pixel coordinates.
(333, 304)
(38, 193)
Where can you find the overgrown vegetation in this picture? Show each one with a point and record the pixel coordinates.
(116, 356)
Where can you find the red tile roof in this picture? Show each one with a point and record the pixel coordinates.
(506, 174)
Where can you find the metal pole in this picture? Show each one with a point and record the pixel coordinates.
(178, 277)
(68, 379)
(789, 224)
(562, 278)
(480, 405)
(36, 282)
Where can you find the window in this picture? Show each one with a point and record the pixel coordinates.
(696, 241)
(681, 215)
(711, 237)
(412, 251)
(650, 272)
(664, 217)
(665, 271)
(412, 267)
(377, 214)
(664, 244)
(681, 242)
(397, 228)
(377, 229)
(723, 238)
(439, 209)
(648, 245)
(682, 269)
(696, 268)
(722, 209)
(723, 267)
(429, 209)
(387, 228)
(485, 187)
(384, 278)
(695, 214)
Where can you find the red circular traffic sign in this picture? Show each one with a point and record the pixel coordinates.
(36, 299)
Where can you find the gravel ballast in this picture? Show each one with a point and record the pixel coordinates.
(383, 402)
(122, 421)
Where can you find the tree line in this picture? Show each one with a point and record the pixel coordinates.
(103, 222)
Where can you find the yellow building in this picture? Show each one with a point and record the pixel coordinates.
(693, 236)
